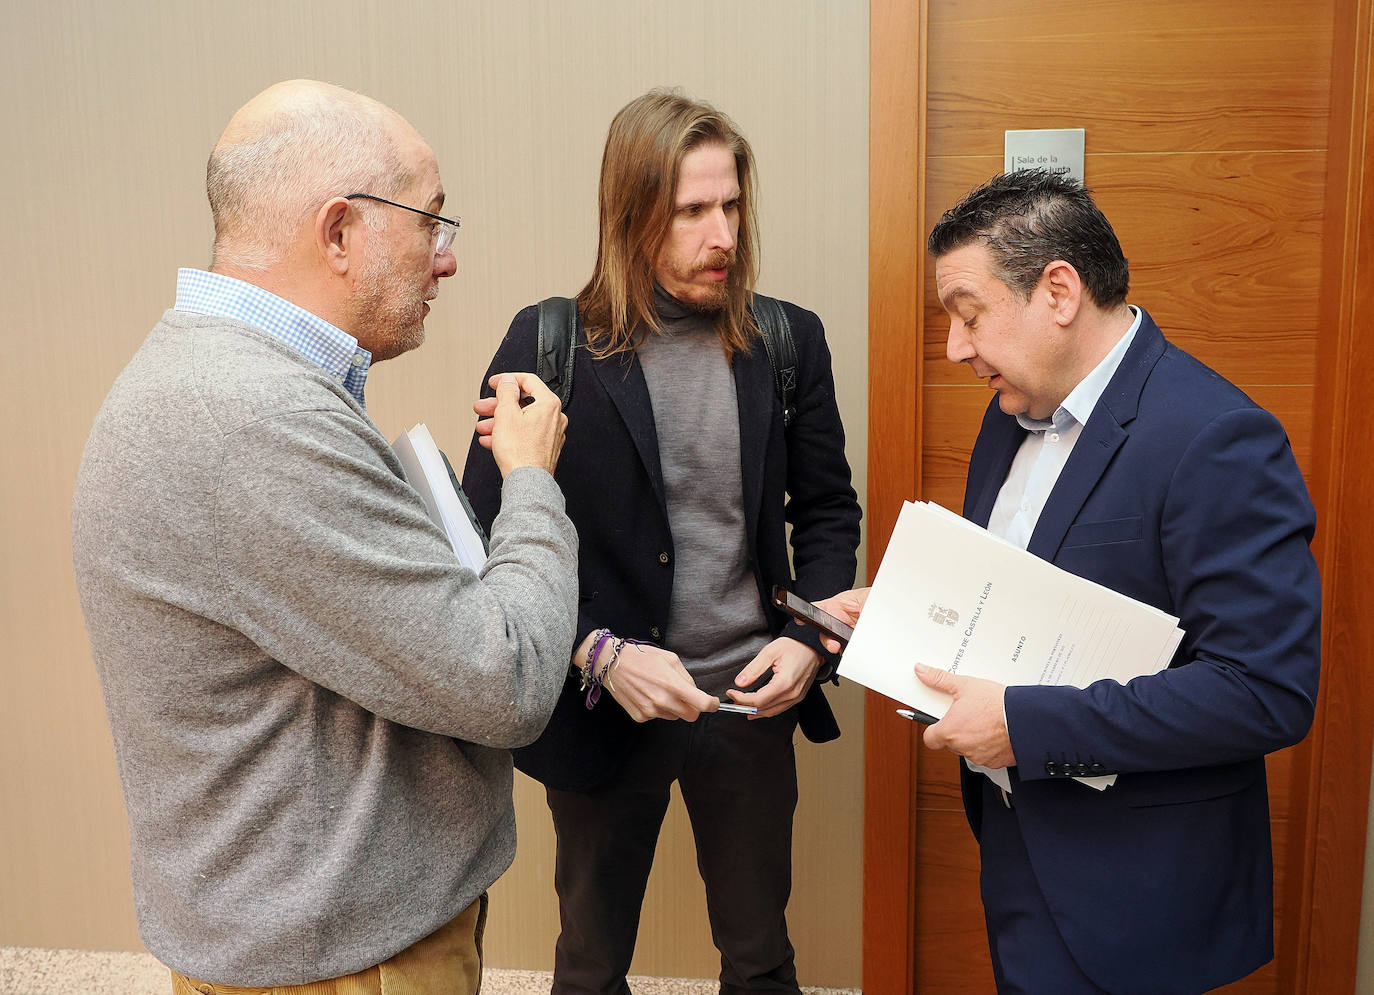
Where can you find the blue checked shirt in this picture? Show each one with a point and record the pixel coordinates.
(333, 350)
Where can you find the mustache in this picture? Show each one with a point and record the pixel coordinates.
(719, 259)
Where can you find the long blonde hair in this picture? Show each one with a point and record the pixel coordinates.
(639, 171)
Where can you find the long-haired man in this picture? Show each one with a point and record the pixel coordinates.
(681, 473)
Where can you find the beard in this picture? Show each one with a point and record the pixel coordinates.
(391, 309)
(709, 298)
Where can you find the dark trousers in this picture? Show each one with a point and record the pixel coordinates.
(739, 781)
(1028, 954)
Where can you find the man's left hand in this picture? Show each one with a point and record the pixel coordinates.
(793, 665)
(976, 724)
(846, 607)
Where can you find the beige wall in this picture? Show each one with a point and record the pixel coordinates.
(109, 114)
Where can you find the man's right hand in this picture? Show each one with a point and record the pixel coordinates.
(650, 682)
(521, 435)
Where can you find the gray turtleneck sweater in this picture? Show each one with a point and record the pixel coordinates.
(716, 619)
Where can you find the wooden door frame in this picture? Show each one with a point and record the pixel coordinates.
(896, 328)
(1324, 873)
(1324, 879)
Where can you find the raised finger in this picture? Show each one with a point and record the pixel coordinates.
(529, 385)
(507, 391)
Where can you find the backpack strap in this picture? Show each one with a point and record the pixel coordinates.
(558, 323)
(782, 350)
(553, 361)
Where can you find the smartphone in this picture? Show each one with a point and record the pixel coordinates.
(808, 614)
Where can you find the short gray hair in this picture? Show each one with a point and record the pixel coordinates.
(264, 182)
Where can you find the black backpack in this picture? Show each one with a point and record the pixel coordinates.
(558, 322)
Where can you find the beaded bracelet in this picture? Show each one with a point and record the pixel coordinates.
(593, 679)
(594, 685)
(599, 638)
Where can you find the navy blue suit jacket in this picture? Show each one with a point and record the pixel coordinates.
(611, 477)
(1183, 494)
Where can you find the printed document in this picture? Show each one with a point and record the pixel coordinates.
(950, 594)
(429, 474)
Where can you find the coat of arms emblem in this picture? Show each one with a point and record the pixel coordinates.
(942, 616)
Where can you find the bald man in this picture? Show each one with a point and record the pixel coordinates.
(312, 701)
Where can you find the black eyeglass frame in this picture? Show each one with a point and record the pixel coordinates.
(454, 222)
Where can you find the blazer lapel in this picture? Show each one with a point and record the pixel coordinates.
(1100, 440)
(623, 379)
(754, 399)
(1102, 436)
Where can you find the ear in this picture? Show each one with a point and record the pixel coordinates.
(1062, 288)
(336, 234)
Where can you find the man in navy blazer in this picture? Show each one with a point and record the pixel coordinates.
(1114, 454)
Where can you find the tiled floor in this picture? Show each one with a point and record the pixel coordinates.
(33, 971)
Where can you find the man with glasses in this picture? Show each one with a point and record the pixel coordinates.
(312, 702)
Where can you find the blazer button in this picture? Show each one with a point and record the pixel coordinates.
(653, 631)
(1051, 768)
(663, 557)
(1081, 770)
(1097, 770)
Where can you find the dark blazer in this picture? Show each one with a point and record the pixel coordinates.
(1184, 494)
(610, 474)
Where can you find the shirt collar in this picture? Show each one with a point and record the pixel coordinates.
(328, 347)
(1078, 406)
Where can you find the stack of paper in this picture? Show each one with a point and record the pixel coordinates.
(952, 595)
(429, 474)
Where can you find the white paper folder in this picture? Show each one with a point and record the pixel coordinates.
(428, 472)
(950, 594)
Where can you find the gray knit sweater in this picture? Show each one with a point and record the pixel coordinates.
(311, 700)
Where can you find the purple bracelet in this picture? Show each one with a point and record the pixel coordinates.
(599, 638)
(592, 685)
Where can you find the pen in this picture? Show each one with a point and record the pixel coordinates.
(730, 706)
(917, 716)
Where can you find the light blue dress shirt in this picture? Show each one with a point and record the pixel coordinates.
(330, 348)
(1046, 450)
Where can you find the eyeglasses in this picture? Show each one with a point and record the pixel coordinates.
(447, 230)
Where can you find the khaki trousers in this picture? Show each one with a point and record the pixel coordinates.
(449, 960)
